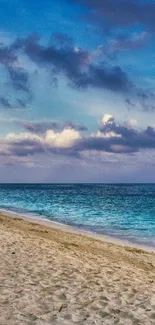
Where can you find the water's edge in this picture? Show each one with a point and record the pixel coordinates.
(75, 230)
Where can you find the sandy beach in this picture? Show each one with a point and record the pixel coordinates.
(54, 277)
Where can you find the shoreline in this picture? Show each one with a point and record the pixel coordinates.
(75, 230)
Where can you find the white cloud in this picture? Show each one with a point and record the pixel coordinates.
(106, 118)
(23, 136)
(63, 139)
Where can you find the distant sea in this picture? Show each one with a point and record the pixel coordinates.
(122, 211)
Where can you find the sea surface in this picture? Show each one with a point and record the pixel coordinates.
(122, 211)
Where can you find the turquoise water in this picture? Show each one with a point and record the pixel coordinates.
(124, 211)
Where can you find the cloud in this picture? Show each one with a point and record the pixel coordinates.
(21, 103)
(120, 13)
(112, 137)
(18, 76)
(130, 104)
(21, 145)
(71, 125)
(122, 43)
(131, 123)
(42, 127)
(74, 64)
(38, 127)
(62, 58)
(64, 139)
(107, 118)
(25, 144)
(19, 79)
(118, 138)
(4, 102)
(146, 99)
(80, 67)
(123, 137)
(7, 56)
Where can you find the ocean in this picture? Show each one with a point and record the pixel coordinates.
(122, 211)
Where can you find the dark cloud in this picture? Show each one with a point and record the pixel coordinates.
(118, 129)
(141, 99)
(18, 76)
(71, 125)
(123, 42)
(146, 100)
(129, 103)
(118, 138)
(111, 145)
(59, 56)
(19, 79)
(75, 64)
(124, 139)
(4, 103)
(78, 66)
(61, 40)
(38, 127)
(7, 56)
(120, 13)
(26, 147)
(21, 103)
(122, 145)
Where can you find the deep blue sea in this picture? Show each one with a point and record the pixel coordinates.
(124, 211)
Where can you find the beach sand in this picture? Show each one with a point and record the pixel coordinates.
(54, 277)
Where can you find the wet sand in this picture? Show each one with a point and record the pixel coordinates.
(55, 277)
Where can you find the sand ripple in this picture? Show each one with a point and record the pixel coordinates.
(54, 278)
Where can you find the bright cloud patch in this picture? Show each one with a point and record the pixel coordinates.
(107, 118)
(64, 139)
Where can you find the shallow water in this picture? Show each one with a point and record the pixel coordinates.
(124, 211)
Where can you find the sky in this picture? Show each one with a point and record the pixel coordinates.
(77, 95)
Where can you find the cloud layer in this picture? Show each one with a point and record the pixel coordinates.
(111, 137)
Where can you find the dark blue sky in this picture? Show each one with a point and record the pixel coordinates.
(77, 91)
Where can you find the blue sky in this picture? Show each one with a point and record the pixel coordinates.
(77, 91)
